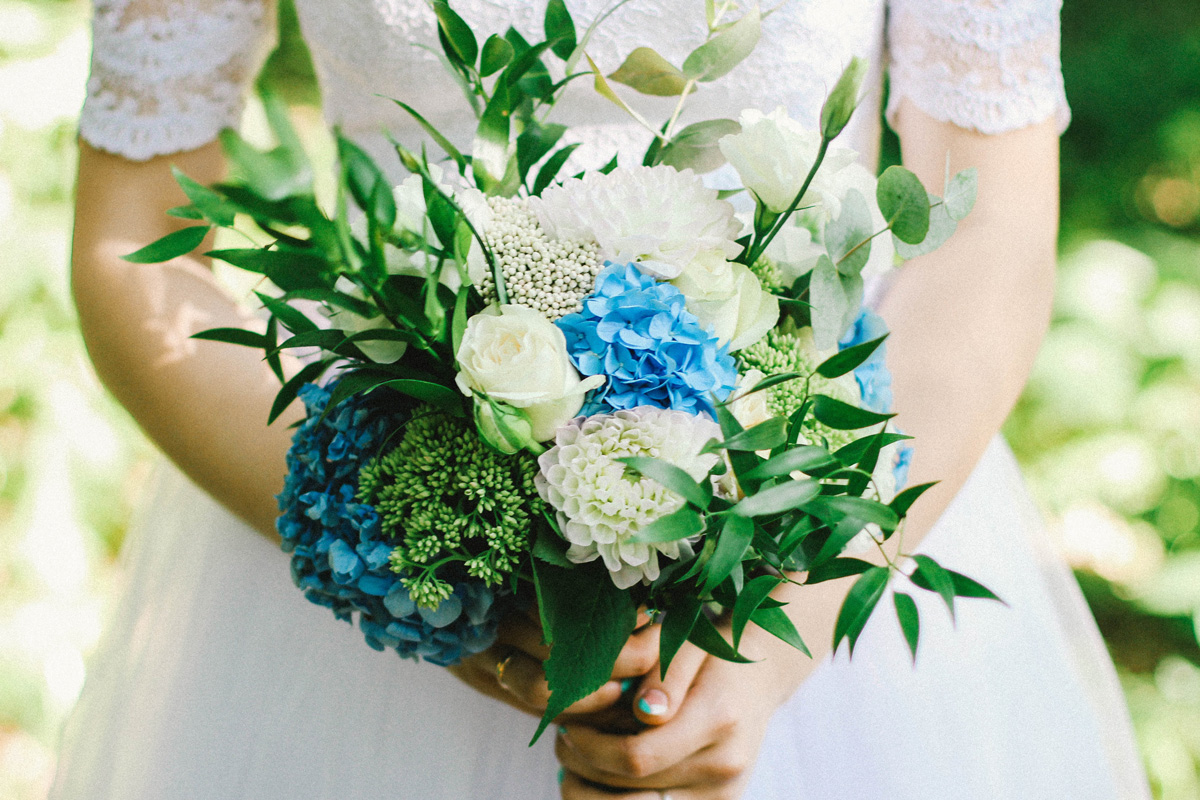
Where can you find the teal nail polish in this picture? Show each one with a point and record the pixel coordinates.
(626, 685)
(562, 775)
(562, 730)
(651, 709)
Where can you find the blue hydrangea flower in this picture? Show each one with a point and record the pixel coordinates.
(638, 333)
(339, 556)
(875, 380)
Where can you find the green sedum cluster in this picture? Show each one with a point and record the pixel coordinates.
(769, 273)
(783, 351)
(450, 502)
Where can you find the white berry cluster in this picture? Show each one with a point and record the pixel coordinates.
(548, 275)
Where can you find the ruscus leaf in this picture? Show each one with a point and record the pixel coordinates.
(173, 245)
(849, 359)
(777, 499)
(858, 605)
(938, 578)
(670, 476)
(910, 620)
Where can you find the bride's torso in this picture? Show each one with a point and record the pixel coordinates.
(368, 50)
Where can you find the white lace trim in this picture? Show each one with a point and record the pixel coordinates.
(989, 65)
(168, 75)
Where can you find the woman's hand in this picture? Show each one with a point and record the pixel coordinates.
(511, 671)
(707, 720)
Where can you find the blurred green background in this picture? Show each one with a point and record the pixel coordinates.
(1108, 431)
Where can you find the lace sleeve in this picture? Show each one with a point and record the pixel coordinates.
(990, 65)
(168, 75)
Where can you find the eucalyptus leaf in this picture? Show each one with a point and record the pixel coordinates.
(695, 147)
(173, 245)
(726, 50)
(645, 71)
(858, 605)
(941, 228)
(910, 620)
(960, 193)
(848, 237)
(777, 499)
(830, 305)
(904, 203)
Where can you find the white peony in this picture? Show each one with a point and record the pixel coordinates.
(518, 357)
(657, 216)
(600, 506)
(728, 298)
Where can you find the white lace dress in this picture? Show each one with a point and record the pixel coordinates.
(218, 680)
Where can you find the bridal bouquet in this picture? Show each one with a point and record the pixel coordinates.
(591, 392)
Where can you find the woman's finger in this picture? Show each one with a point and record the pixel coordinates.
(575, 788)
(658, 699)
(525, 680)
(640, 653)
(519, 631)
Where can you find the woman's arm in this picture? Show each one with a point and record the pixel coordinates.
(205, 404)
(966, 324)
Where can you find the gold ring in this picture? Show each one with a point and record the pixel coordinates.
(502, 665)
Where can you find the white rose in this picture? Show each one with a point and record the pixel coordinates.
(729, 298)
(519, 357)
(773, 154)
(750, 409)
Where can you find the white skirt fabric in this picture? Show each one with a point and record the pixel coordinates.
(218, 681)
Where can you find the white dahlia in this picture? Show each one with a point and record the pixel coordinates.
(601, 505)
(657, 216)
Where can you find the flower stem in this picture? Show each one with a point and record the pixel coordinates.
(759, 247)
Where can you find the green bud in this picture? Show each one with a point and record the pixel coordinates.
(842, 101)
(504, 427)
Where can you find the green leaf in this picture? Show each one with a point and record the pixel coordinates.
(602, 87)
(775, 621)
(843, 416)
(858, 605)
(324, 339)
(849, 359)
(695, 147)
(287, 269)
(272, 358)
(291, 318)
(535, 142)
(854, 452)
(904, 203)
(963, 586)
(910, 620)
(437, 137)
(309, 374)
(766, 435)
(550, 547)
(559, 29)
(362, 178)
(830, 304)
(841, 535)
(587, 621)
(941, 228)
(837, 568)
(705, 636)
(550, 169)
(862, 509)
(188, 212)
(172, 245)
(670, 476)
(647, 72)
(676, 628)
(903, 501)
(960, 194)
(670, 528)
(726, 50)
(775, 380)
(238, 336)
(207, 202)
(777, 499)
(938, 578)
(749, 600)
(497, 52)
(848, 238)
(426, 391)
(458, 325)
(457, 32)
(272, 175)
(802, 458)
(732, 543)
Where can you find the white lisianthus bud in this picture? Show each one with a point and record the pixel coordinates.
(517, 356)
(729, 298)
(773, 155)
(843, 100)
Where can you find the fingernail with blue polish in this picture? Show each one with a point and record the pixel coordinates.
(626, 685)
(562, 730)
(653, 703)
(562, 775)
